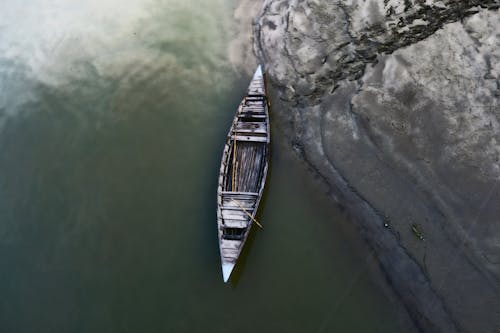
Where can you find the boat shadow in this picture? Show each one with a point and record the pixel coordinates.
(240, 267)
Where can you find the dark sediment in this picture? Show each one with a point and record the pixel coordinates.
(396, 105)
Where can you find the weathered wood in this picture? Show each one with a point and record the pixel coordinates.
(252, 117)
(253, 110)
(251, 127)
(227, 208)
(236, 193)
(234, 165)
(249, 215)
(234, 215)
(251, 138)
(243, 172)
(236, 223)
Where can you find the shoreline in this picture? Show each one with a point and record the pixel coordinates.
(347, 123)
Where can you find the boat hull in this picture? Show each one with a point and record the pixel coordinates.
(243, 173)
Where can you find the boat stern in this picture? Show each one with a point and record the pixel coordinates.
(227, 268)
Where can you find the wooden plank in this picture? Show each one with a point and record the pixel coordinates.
(229, 244)
(251, 127)
(234, 215)
(251, 124)
(228, 210)
(245, 200)
(249, 204)
(230, 253)
(256, 87)
(250, 138)
(234, 207)
(253, 111)
(252, 115)
(236, 223)
(251, 132)
(236, 194)
(256, 107)
(249, 215)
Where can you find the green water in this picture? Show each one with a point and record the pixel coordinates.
(112, 121)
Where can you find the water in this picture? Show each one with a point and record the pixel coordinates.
(112, 121)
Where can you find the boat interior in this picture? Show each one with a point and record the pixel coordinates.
(245, 168)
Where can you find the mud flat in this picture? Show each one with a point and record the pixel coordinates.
(395, 104)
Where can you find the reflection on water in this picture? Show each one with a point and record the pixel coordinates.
(112, 121)
(82, 48)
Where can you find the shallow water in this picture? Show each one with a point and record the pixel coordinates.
(112, 122)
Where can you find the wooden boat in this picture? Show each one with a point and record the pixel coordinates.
(243, 173)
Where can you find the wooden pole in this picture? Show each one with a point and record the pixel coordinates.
(236, 173)
(249, 215)
(234, 162)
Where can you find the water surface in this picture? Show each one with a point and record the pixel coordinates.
(112, 122)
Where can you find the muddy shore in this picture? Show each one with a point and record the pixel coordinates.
(395, 105)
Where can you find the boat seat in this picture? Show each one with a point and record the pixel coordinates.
(253, 111)
(255, 102)
(231, 205)
(230, 253)
(249, 138)
(235, 215)
(235, 223)
(260, 105)
(240, 194)
(256, 87)
(252, 117)
(246, 200)
(250, 127)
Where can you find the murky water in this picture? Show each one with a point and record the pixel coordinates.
(112, 121)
